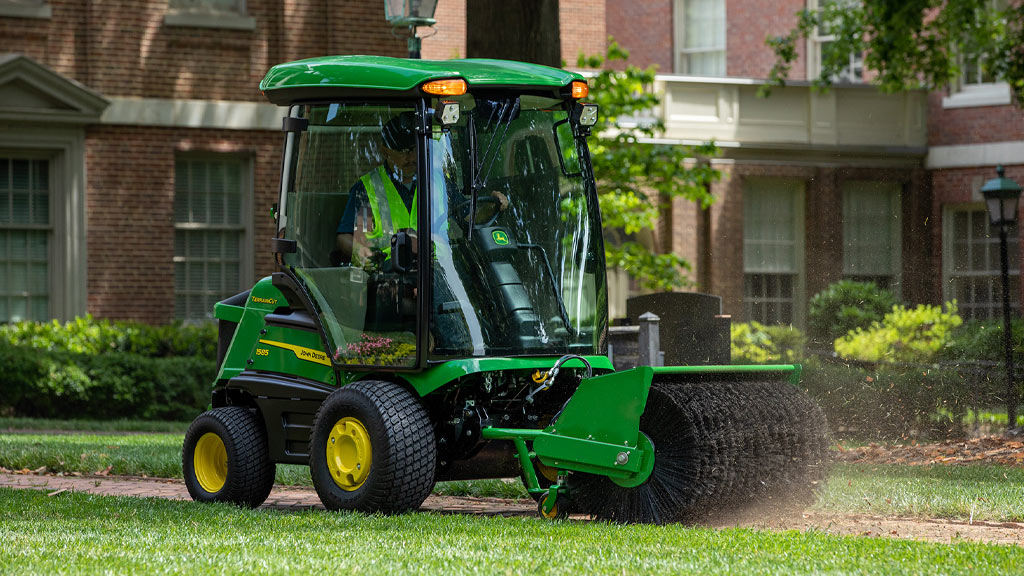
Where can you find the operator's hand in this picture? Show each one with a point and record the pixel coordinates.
(502, 200)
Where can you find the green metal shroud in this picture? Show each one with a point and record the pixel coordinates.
(399, 75)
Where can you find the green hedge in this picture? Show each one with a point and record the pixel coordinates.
(106, 370)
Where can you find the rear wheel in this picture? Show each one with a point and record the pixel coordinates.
(225, 458)
(372, 449)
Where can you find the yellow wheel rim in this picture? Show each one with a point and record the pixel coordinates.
(548, 515)
(549, 473)
(211, 462)
(349, 453)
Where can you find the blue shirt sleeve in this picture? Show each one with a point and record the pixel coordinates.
(356, 198)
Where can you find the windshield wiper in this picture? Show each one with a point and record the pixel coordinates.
(506, 112)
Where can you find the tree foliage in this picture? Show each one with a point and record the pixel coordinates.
(634, 179)
(911, 43)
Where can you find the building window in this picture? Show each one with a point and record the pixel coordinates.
(871, 233)
(25, 231)
(852, 71)
(772, 251)
(210, 233)
(700, 37)
(971, 263)
(977, 85)
(26, 9)
(209, 6)
(230, 14)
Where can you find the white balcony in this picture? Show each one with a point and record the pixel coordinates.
(854, 118)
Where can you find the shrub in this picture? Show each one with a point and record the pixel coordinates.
(888, 402)
(846, 306)
(86, 335)
(756, 343)
(983, 340)
(918, 334)
(101, 369)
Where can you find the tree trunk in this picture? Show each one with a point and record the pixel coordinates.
(525, 30)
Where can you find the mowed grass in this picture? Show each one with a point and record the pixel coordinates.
(86, 534)
(978, 492)
(101, 426)
(154, 455)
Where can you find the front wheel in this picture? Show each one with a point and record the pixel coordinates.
(225, 458)
(372, 449)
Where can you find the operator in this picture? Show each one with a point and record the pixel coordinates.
(383, 199)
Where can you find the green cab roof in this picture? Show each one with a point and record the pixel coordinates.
(381, 75)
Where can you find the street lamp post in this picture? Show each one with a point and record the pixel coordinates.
(1001, 196)
(410, 14)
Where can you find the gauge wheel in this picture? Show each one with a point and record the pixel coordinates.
(560, 510)
(225, 458)
(372, 449)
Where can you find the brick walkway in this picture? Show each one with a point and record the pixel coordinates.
(281, 498)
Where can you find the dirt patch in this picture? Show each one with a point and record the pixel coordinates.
(929, 530)
(987, 450)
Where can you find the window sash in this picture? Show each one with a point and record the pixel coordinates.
(769, 298)
(770, 213)
(701, 37)
(26, 233)
(209, 6)
(210, 233)
(973, 272)
(871, 229)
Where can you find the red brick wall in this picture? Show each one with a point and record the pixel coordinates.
(643, 28)
(130, 202)
(972, 125)
(123, 48)
(748, 23)
(582, 27)
(449, 41)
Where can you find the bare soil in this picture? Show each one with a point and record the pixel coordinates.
(987, 450)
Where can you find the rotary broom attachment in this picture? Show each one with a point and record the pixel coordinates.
(720, 446)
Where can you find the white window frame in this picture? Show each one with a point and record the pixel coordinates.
(799, 188)
(965, 93)
(209, 17)
(245, 227)
(814, 43)
(895, 233)
(949, 255)
(36, 9)
(680, 53)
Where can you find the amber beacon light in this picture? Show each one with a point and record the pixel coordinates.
(579, 89)
(453, 87)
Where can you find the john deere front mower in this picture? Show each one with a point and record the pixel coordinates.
(440, 313)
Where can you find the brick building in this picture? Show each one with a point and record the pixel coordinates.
(138, 161)
(819, 187)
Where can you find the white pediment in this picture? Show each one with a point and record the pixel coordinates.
(31, 92)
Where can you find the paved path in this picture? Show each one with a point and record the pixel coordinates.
(281, 498)
(297, 498)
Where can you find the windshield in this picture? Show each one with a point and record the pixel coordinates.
(518, 258)
(350, 191)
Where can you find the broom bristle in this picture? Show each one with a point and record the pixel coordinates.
(718, 446)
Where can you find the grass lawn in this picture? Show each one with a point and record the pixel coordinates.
(958, 492)
(81, 533)
(111, 426)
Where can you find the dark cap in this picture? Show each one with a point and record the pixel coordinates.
(400, 132)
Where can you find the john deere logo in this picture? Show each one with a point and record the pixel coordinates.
(500, 238)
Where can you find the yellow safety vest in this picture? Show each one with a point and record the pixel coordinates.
(389, 212)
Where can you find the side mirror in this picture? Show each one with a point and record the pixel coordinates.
(401, 252)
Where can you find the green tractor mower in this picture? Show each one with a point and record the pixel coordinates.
(440, 313)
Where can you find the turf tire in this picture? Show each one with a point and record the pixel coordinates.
(404, 451)
(250, 472)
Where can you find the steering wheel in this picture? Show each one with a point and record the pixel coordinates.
(488, 208)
